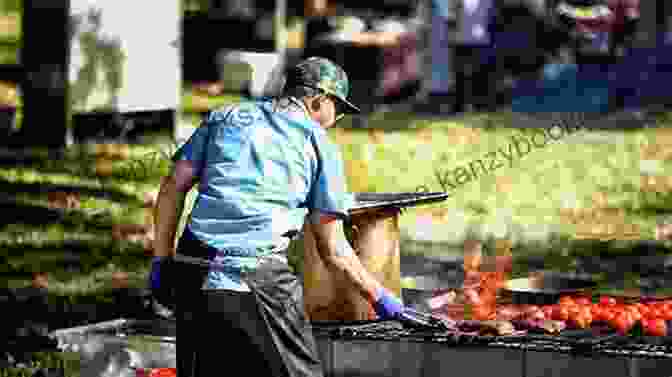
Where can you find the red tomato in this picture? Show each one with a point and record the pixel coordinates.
(607, 301)
(636, 315)
(656, 327)
(643, 309)
(584, 318)
(622, 323)
(548, 311)
(582, 301)
(667, 314)
(581, 322)
(158, 372)
(598, 313)
(574, 311)
(655, 313)
(585, 311)
(560, 313)
(566, 300)
(609, 314)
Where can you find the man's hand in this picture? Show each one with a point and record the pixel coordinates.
(387, 306)
(159, 281)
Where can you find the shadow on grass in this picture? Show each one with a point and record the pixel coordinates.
(140, 169)
(28, 214)
(72, 220)
(8, 188)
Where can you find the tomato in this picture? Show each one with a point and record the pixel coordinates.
(636, 315)
(667, 314)
(643, 309)
(655, 313)
(607, 301)
(581, 322)
(158, 372)
(560, 313)
(585, 311)
(574, 311)
(583, 301)
(656, 327)
(566, 300)
(608, 314)
(622, 323)
(598, 313)
(548, 311)
(584, 318)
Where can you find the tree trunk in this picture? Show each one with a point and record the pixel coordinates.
(44, 57)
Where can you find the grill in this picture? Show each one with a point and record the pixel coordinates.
(568, 342)
(391, 348)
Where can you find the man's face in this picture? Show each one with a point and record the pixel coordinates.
(316, 7)
(329, 112)
(664, 232)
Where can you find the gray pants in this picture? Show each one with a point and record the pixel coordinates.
(218, 329)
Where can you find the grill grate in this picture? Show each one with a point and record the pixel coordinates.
(394, 331)
(612, 345)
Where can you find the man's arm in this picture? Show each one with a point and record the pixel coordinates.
(169, 206)
(338, 255)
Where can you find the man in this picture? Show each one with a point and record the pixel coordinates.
(473, 46)
(258, 163)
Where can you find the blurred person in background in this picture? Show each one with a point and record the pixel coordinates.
(260, 166)
(602, 30)
(472, 47)
(664, 230)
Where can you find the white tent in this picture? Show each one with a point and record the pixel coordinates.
(125, 59)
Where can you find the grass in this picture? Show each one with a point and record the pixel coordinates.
(521, 201)
(10, 36)
(193, 101)
(393, 160)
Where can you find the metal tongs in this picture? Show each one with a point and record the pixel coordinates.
(416, 319)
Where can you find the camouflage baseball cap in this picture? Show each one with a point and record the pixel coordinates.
(323, 74)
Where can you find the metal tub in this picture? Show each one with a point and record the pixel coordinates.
(108, 349)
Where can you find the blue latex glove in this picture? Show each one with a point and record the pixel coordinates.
(387, 306)
(155, 273)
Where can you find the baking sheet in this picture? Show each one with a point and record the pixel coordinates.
(370, 200)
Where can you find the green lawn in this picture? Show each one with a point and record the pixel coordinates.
(404, 153)
(10, 36)
(541, 183)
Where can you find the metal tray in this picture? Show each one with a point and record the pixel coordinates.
(544, 289)
(369, 201)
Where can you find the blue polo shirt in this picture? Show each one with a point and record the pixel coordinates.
(262, 168)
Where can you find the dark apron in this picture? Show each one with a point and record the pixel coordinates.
(217, 330)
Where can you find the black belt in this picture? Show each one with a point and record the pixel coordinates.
(195, 255)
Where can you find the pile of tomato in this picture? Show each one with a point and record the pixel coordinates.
(156, 372)
(582, 312)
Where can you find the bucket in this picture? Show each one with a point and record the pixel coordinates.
(329, 296)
